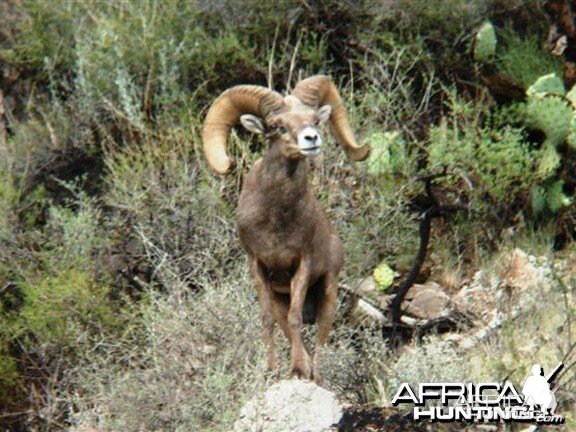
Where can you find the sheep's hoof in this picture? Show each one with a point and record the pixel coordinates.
(300, 373)
(275, 373)
(316, 377)
(273, 364)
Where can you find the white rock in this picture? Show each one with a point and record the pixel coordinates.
(290, 406)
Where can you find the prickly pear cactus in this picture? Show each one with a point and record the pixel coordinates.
(552, 111)
(549, 110)
(555, 197)
(485, 42)
(550, 195)
(549, 160)
(547, 84)
(384, 276)
(388, 154)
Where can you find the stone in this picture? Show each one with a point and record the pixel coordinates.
(429, 302)
(367, 287)
(291, 405)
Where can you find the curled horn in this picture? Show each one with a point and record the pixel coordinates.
(224, 114)
(320, 90)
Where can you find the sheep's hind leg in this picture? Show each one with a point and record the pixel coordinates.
(324, 319)
(265, 299)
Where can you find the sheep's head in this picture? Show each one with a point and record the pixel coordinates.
(290, 123)
(293, 130)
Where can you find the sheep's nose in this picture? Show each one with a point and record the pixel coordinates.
(311, 137)
(309, 141)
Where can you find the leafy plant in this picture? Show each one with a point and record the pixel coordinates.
(494, 160)
(522, 57)
(59, 307)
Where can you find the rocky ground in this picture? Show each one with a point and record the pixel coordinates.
(468, 314)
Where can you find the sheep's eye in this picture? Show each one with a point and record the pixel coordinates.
(281, 129)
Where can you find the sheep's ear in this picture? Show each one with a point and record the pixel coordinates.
(323, 114)
(252, 123)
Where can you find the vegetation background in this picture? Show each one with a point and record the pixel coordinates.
(124, 297)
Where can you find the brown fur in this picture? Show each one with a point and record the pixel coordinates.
(291, 247)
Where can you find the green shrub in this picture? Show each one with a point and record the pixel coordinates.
(76, 234)
(8, 198)
(114, 72)
(42, 36)
(159, 189)
(494, 160)
(523, 59)
(190, 365)
(59, 308)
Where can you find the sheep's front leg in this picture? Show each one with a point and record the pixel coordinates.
(265, 299)
(324, 319)
(298, 287)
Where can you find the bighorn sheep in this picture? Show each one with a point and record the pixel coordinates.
(294, 254)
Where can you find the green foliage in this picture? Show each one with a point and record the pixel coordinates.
(104, 190)
(518, 57)
(163, 179)
(76, 234)
(59, 308)
(522, 58)
(485, 42)
(496, 156)
(8, 373)
(444, 18)
(550, 196)
(181, 366)
(114, 70)
(496, 160)
(54, 294)
(43, 36)
(9, 196)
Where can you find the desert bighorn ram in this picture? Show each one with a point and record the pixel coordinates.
(294, 254)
